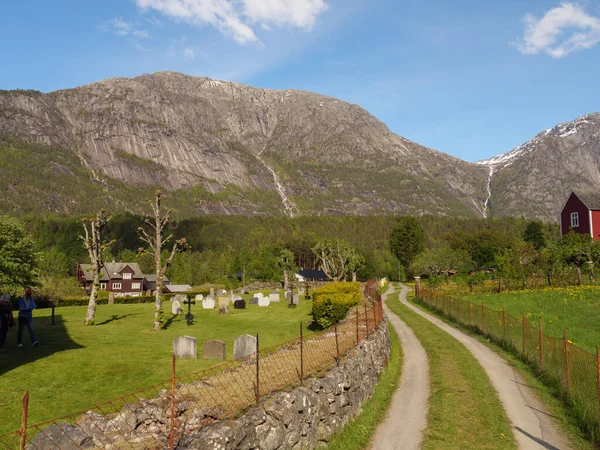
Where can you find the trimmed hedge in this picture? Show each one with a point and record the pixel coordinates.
(332, 302)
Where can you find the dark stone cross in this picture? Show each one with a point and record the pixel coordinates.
(189, 317)
(306, 295)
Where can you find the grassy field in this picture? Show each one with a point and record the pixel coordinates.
(75, 367)
(357, 434)
(575, 309)
(464, 410)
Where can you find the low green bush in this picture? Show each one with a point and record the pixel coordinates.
(332, 302)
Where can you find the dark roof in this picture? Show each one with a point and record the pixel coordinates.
(591, 198)
(112, 271)
(311, 273)
(152, 277)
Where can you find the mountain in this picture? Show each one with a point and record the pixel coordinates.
(534, 179)
(218, 147)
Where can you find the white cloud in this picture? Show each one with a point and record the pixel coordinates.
(561, 31)
(237, 18)
(189, 53)
(121, 27)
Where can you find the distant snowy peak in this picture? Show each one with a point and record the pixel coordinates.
(563, 130)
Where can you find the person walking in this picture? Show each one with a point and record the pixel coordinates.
(6, 318)
(26, 306)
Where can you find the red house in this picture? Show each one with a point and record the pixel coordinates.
(121, 278)
(581, 213)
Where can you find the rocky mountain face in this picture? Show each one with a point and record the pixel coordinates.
(534, 179)
(223, 147)
(226, 148)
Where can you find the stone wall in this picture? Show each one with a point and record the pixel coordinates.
(305, 417)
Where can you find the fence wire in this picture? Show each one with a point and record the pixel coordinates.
(159, 416)
(560, 362)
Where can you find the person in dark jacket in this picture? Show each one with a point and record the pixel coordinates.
(26, 306)
(6, 318)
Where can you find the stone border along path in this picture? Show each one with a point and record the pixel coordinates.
(407, 417)
(533, 426)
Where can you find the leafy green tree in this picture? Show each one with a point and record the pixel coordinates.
(18, 259)
(356, 262)
(438, 261)
(407, 240)
(518, 261)
(534, 233)
(579, 250)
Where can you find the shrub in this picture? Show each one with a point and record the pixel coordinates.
(332, 302)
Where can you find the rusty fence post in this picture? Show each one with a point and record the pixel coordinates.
(374, 317)
(566, 349)
(24, 420)
(504, 322)
(524, 335)
(301, 356)
(357, 317)
(172, 433)
(257, 371)
(541, 345)
(482, 318)
(366, 321)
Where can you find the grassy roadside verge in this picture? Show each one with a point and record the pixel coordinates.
(357, 434)
(464, 411)
(548, 395)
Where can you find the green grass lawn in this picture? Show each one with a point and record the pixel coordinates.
(575, 308)
(464, 410)
(76, 367)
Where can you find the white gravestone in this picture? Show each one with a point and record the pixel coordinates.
(208, 303)
(199, 297)
(274, 297)
(185, 347)
(244, 346)
(296, 300)
(288, 295)
(176, 308)
(264, 301)
(259, 295)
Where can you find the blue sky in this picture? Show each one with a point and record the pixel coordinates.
(469, 78)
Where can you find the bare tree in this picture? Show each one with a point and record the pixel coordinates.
(157, 223)
(334, 257)
(286, 262)
(96, 247)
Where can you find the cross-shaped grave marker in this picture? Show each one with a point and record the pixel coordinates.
(189, 317)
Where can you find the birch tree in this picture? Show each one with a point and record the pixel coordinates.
(96, 247)
(157, 222)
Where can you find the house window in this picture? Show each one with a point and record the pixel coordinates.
(103, 286)
(135, 285)
(127, 276)
(574, 220)
(116, 285)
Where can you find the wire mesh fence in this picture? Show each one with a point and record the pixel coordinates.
(574, 370)
(159, 416)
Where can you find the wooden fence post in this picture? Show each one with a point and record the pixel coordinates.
(24, 420)
(541, 345)
(417, 287)
(566, 349)
(524, 335)
(172, 433)
(366, 321)
(301, 356)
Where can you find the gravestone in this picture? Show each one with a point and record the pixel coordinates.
(185, 347)
(264, 301)
(212, 292)
(274, 297)
(245, 292)
(301, 291)
(175, 308)
(189, 317)
(111, 298)
(259, 295)
(239, 304)
(208, 303)
(199, 297)
(254, 301)
(221, 292)
(224, 310)
(223, 301)
(288, 295)
(243, 346)
(296, 300)
(180, 298)
(215, 349)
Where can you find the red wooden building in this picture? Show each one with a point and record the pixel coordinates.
(581, 213)
(124, 279)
